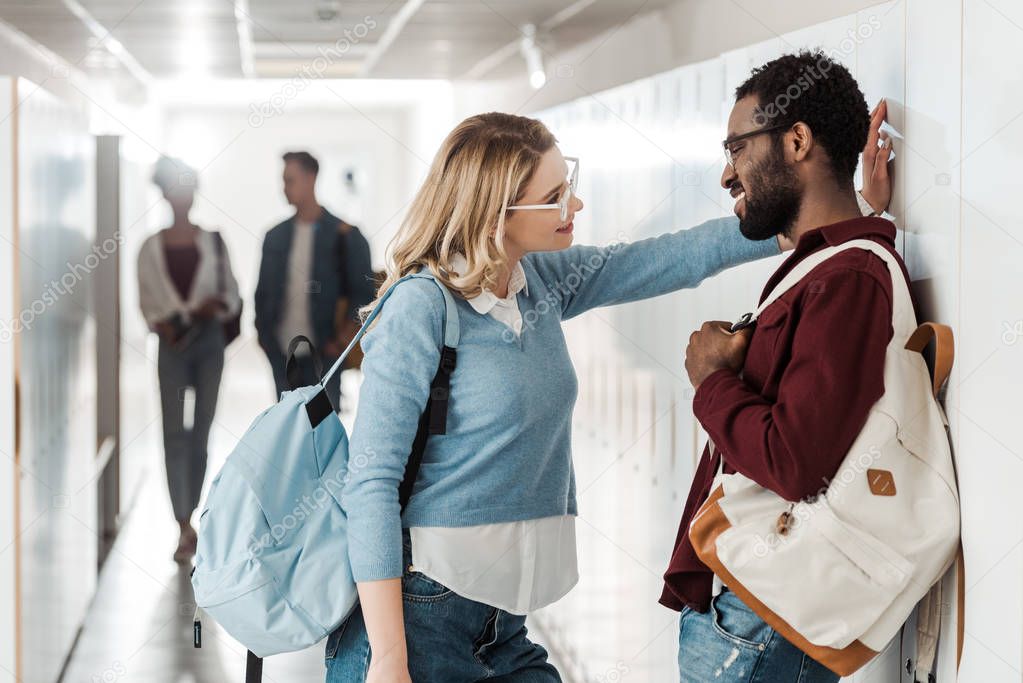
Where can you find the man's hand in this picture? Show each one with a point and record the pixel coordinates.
(333, 348)
(877, 181)
(342, 337)
(713, 348)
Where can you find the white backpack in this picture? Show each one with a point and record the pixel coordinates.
(838, 575)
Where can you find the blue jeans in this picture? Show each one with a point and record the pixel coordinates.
(200, 366)
(729, 643)
(450, 639)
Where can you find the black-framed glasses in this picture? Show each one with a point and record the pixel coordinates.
(736, 138)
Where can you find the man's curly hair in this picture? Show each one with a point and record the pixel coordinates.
(812, 88)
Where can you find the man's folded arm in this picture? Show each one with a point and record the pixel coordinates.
(795, 444)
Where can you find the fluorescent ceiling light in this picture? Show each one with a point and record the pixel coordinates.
(534, 58)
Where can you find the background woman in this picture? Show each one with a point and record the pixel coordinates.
(186, 292)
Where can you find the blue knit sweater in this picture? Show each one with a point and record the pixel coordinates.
(506, 455)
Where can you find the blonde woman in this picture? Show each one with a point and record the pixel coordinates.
(488, 534)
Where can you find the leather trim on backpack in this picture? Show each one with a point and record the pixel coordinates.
(318, 408)
(709, 523)
(881, 482)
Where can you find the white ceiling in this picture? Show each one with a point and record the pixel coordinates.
(279, 38)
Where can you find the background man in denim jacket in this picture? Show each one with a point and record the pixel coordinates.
(311, 263)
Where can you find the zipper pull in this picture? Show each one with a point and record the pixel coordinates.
(196, 629)
(784, 519)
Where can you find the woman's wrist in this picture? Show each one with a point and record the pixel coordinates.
(390, 655)
(382, 610)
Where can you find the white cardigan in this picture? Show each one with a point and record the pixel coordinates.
(159, 298)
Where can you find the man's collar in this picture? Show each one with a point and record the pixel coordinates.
(844, 231)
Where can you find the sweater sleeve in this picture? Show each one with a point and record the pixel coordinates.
(402, 352)
(154, 299)
(586, 277)
(794, 444)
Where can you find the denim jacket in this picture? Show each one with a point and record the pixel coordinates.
(341, 268)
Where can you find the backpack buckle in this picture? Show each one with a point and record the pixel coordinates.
(447, 360)
(742, 323)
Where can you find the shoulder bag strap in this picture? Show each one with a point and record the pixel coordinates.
(929, 614)
(903, 320)
(434, 417)
(218, 241)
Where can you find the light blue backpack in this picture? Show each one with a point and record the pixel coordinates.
(272, 562)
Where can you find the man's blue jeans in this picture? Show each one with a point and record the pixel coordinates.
(730, 643)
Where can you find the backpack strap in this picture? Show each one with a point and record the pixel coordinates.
(291, 365)
(930, 612)
(218, 243)
(434, 417)
(944, 350)
(436, 413)
(451, 327)
(903, 317)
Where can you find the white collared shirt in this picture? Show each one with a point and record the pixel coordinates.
(515, 566)
(504, 310)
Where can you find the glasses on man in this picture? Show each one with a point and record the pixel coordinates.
(566, 197)
(728, 142)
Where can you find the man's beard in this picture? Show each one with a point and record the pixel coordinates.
(775, 204)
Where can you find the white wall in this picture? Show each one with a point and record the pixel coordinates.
(651, 161)
(987, 237)
(8, 469)
(51, 537)
(55, 368)
(649, 43)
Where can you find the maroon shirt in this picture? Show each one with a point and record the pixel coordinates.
(814, 368)
(182, 261)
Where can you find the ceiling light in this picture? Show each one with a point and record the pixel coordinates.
(533, 56)
(328, 10)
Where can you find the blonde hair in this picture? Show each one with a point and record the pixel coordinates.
(482, 167)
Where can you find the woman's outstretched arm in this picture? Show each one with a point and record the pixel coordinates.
(587, 277)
